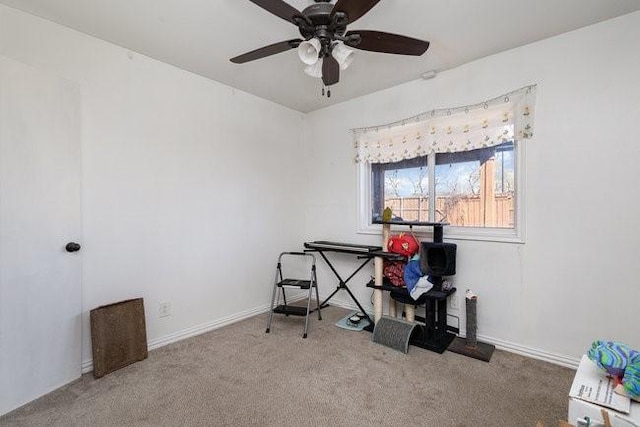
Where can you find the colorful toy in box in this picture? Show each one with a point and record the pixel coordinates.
(394, 271)
(620, 361)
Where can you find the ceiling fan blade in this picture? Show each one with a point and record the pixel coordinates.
(278, 8)
(266, 51)
(353, 9)
(378, 41)
(330, 71)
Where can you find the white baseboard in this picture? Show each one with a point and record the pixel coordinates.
(87, 365)
(556, 359)
(534, 353)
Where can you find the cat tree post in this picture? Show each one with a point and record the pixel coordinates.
(379, 275)
(377, 293)
(410, 312)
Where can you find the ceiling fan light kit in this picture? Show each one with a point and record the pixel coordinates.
(325, 46)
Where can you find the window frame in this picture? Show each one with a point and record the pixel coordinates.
(505, 235)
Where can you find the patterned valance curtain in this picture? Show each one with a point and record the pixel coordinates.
(486, 124)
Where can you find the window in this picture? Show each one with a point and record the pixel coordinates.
(473, 189)
(403, 186)
(476, 188)
(463, 166)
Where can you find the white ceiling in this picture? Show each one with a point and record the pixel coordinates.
(201, 35)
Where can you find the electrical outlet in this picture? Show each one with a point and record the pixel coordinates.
(165, 309)
(454, 302)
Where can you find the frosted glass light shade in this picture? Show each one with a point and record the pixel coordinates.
(343, 55)
(314, 70)
(309, 50)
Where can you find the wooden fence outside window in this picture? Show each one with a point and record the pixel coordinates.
(458, 210)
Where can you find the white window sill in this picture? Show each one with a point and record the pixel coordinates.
(452, 233)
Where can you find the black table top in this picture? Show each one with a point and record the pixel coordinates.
(350, 248)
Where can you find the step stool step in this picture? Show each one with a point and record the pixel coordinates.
(295, 283)
(291, 309)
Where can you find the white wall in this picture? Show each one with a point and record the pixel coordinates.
(190, 187)
(576, 278)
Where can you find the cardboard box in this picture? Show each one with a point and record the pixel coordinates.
(591, 392)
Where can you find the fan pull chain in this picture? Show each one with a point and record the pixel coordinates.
(328, 92)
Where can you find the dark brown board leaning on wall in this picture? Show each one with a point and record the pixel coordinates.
(118, 336)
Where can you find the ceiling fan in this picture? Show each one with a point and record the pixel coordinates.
(323, 27)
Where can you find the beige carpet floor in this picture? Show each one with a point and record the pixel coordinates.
(240, 376)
